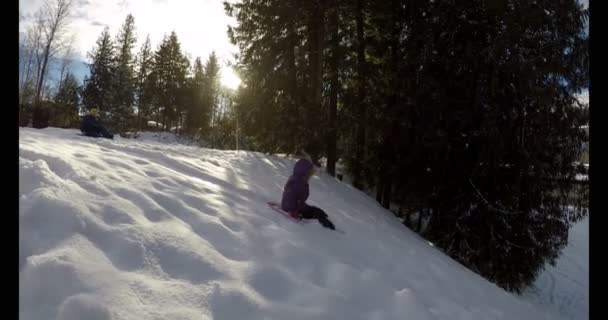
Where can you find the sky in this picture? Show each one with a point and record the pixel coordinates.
(200, 25)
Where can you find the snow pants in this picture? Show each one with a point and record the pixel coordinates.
(312, 212)
(99, 132)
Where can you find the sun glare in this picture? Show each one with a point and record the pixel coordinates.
(230, 79)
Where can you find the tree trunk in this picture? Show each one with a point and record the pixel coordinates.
(27, 71)
(319, 26)
(45, 60)
(138, 118)
(24, 71)
(293, 85)
(391, 137)
(332, 136)
(315, 44)
(379, 188)
(362, 112)
(39, 118)
(408, 218)
(386, 196)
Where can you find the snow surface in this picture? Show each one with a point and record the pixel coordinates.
(565, 286)
(129, 229)
(164, 137)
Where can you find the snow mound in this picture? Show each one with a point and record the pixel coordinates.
(565, 286)
(131, 229)
(161, 137)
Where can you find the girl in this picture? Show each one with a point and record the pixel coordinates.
(296, 192)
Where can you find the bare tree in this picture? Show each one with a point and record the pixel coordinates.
(53, 19)
(38, 50)
(29, 63)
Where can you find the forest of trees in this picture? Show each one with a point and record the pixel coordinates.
(128, 88)
(460, 116)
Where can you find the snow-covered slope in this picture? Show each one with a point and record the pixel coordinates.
(165, 137)
(565, 286)
(129, 229)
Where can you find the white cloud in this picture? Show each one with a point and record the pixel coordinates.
(30, 5)
(98, 24)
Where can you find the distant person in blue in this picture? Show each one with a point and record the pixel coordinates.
(296, 192)
(92, 128)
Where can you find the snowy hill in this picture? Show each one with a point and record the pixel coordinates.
(565, 287)
(129, 229)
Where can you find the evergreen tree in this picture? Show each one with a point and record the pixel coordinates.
(496, 120)
(125, 75)
(335, 56)
(199, 113)
(169, 73)
(99, 89)
(314, 121)
(360, 139)
(271, 37)
(144, 85)
(224, 131)
(67, 102)
(211, 89)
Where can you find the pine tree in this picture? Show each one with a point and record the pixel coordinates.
(315, 44)
(224, 131)
(360, 140)
(158, 77)
(335, 55)
(271, 36)
(169, 73)
(199, 113)
(67, 102)
(211, 89)
(184, 99)
(99, 89)
(125, 75)
(386, 118)
(144, 85)
(496, 122)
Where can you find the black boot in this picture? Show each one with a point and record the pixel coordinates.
(326, 223)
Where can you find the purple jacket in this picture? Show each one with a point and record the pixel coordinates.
(296, 191)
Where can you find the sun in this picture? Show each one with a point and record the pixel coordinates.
(229, 79)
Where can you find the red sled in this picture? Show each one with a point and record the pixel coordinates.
(277, 207)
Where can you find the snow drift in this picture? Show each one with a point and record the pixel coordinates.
(130, 229)
(564, 287)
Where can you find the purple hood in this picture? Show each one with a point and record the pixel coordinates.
(296, 190)
(300, 170)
